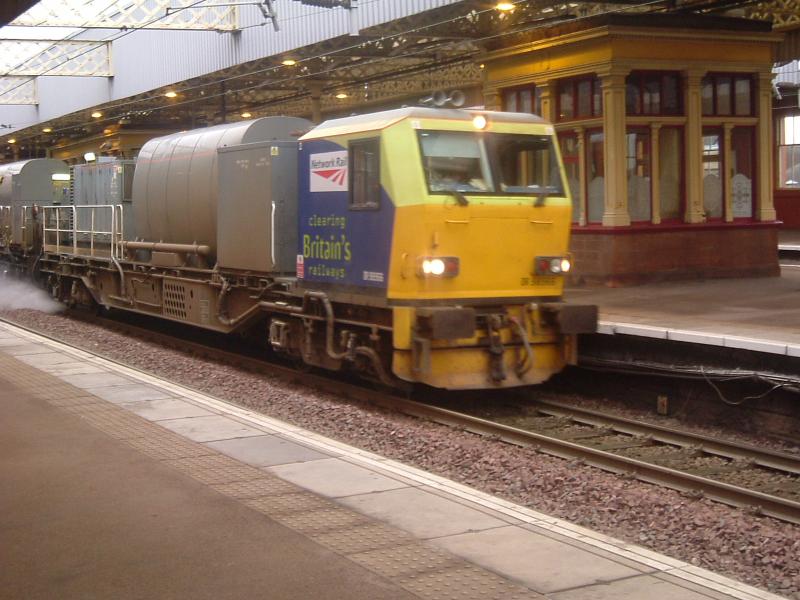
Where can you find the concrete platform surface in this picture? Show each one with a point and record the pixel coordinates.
(761, 314)
(177, 494)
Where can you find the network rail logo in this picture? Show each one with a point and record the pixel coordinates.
(328, 172)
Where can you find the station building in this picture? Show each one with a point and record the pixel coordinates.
(665, 131)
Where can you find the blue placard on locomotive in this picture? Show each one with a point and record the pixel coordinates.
(337, 244)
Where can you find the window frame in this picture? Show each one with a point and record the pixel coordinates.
(536, 98)
(681, 129)
(753, 134)
(352, 145)
(587, 134)
(719, 131)
(642, 130)
(640, 79)
(734, 77)
(574, 83)
(487, 140)
(780, 117)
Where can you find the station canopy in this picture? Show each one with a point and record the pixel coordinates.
(403, 57)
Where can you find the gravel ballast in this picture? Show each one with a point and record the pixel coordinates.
(756, 550)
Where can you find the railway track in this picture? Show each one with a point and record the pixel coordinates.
(764, 481)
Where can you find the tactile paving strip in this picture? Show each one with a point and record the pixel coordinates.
(424, 571)
(286, 504)
(267, 485)
(465, 581)
(331, 518)
(406, 561)
(364, 538)
(165, 447)
(215, 469)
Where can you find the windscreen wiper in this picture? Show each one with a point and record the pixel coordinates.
(460, 197)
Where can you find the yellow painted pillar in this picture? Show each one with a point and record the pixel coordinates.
(765, 205)
(727, 172)
(616, 175)
(582, 178)
(655, 174)
(548, 97)
(695, 213)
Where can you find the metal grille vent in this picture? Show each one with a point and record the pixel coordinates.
(72, 186)
(174, 300)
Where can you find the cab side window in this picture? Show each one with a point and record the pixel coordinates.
(365, 174)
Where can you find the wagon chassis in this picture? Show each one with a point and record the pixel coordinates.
(301, 323)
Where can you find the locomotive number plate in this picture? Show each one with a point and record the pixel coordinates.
(544, 281)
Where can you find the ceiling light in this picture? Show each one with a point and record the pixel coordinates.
(89, 157)
(288, 62)
(246, 115)
(171, 94)
(12, 141)
(47, 130)
(341, 95)
(504, 6)
(97, 114)
(108, 131)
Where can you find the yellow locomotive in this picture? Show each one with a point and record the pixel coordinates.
(419, 244)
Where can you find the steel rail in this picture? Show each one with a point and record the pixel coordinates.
(759, 503)
(765, 504)
(764, 457)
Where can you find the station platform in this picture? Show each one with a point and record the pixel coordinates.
(758, 314)
(117, 484)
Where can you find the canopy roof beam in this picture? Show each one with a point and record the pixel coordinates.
(136, 14)
(71, 58)
(18, 90)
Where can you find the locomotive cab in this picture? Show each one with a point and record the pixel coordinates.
(457, 223)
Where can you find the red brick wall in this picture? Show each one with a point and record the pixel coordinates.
(633, 256)
(787, 205)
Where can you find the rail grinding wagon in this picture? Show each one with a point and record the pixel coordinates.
(24, 187)
(418, 244)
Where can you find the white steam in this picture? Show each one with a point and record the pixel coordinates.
(16, 294)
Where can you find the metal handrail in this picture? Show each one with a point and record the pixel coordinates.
(112, 238)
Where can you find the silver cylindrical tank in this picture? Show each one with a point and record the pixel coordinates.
(175, 185)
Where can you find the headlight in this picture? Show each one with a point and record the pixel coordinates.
(438, 266)
(552, 265)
